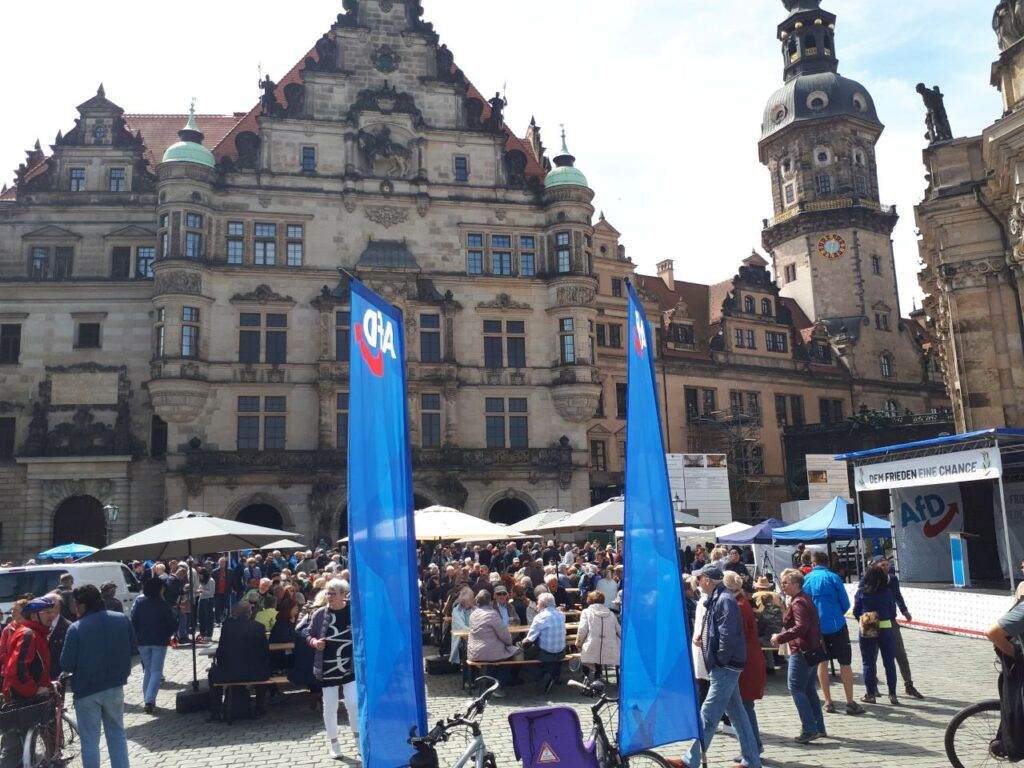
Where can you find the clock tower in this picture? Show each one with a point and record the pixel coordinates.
(829, 236)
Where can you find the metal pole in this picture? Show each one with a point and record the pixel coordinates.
(195, 607)
(1006, 529)
(860, 531)
(892, 532)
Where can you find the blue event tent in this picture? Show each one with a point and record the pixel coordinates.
(64, 551)
(759, 534)
(829, 524)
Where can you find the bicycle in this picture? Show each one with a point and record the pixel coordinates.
(971, 736)
(476, 754)
(52, 742)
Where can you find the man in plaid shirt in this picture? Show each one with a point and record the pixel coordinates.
(548, 632)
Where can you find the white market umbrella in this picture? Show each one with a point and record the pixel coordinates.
(511, 532)
(447, 524)
(606, 516)
(282, 544)
(728, 530)
(186, 533)
(530, 524)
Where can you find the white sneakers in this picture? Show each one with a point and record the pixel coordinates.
(334, 750)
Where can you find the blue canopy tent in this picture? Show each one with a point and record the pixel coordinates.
(759, 534)
(829, 524)
(64, 551)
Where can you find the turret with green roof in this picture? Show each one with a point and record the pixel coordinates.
(565, 172)
(190, 149)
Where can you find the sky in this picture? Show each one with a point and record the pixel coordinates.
(662, 99)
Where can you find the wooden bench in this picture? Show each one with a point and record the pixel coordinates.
(518, 662)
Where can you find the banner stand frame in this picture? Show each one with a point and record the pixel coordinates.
(1006, 528)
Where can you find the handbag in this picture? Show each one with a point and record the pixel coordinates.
(869, 625)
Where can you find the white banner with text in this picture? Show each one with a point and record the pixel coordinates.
(959, 467)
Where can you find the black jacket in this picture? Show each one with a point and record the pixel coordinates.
(153, 621)
(243, 655)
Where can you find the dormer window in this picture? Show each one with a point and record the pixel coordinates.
(766, 307)
(117, 180)
(817, 101)
(748, 304)
(860, 102)
(681, 333)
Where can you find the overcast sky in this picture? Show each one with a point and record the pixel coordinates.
(662, 99)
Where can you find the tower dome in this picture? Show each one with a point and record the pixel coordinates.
(190, 148)
(565, 173)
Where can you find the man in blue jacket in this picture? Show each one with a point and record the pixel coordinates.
(828, 593)
(725, 653)
(98, 651)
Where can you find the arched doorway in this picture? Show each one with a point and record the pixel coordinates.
(261, 514)
(80, 520)
(509, 511)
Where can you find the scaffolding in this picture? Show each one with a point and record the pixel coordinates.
(736, 432)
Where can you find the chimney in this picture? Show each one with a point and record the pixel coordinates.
(667, 272)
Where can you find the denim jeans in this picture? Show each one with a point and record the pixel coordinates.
(869, 648)
(152, 657)
(752, 716)
(205, 617)
(803, 686)
(724, 697)
(106, 707)
(221, 604)
(183, 622)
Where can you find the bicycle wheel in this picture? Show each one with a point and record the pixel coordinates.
(970, 734)
(40, 749)
(646, 759)
(71, 746)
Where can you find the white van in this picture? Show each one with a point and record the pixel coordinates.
(40, 579)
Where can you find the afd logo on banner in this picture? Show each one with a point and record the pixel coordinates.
(639, 334)
(930, 511)
(375, 336)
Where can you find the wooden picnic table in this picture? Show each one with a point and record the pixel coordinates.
(516, 629)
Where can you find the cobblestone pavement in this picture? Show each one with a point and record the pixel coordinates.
(952, 672)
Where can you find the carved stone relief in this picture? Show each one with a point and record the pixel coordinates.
(503, 301)
(188, 283)
(385, 215)
(55, 491)
(579, 295)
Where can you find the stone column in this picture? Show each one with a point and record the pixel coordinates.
(350, 154)
(327, 391)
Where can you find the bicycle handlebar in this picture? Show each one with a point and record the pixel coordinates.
(439, 732)
(478, 706)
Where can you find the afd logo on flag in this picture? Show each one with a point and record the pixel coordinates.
(375, 336)
(639, 334)
(931, 512)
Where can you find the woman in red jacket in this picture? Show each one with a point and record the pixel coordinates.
(752, 680)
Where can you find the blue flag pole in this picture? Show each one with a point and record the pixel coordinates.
(658, 691)
(388, 650)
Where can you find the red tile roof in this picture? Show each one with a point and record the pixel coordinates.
(161, 131)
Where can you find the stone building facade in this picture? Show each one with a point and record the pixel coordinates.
(972, 243)
(175, 323)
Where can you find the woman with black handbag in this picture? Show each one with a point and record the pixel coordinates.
(802, 631)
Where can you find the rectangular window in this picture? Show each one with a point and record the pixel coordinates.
(6, 438)
(563, 253)
(616, 286)
(63, 260)
(750, 459)
(39, 264)
(120, 263)
(274, 426)
(882, 321)
(790, 273)
(342, 330)
(691, 400)
(248, 437)
(160, 334)
(341, 421)
(709, 400)
(117, 180)
(824, 182)
(501, 263)
(518, 426)
(615, 336)
(295, 246)
(265, 245)
(249, 337)
(430, 338)
(781, 410)
(830, 410)
(494, 409)
(493, 344)
(876, 265)
(860, 184)
(567, 341)
(740, 338)
(189, 341)
(475, 254)
(775, 341)
(189, 315)
(599, 455)
(527, 256)
(461, 163)
(277, 339)
(165, 245)
(193, 245)
(681, 333)
(621, 400)
(144, 258)
(600, 405)
(236, 242)
(308, 159)
(515, 334)
(790, 193)
(430, 420)
(77, 180)
(10, 344)
(194, 220)
(602, 335)
(745, 404)
(87, 336)
(796, 409)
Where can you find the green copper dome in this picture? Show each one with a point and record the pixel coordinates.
(565, 173)
(190, 149)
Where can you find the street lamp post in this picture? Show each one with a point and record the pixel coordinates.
(110, 513)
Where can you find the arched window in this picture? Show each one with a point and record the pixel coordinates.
(748, 304)
(766, 306)
(885, 364)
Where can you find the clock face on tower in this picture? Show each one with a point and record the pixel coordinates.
(831, 247)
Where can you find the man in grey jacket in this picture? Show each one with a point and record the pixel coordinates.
(724, 649)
